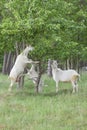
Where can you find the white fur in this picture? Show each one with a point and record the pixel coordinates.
(19, 66)
(33, 75)
(65, 76)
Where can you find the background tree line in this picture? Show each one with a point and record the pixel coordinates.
(57, 29)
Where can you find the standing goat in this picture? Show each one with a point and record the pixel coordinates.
(19, 66)
(64, 76)
(33, 75)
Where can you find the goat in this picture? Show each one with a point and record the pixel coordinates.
(19, 66)
(65, 76)
(33, 75)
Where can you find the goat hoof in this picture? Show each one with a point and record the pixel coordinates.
(73, 92)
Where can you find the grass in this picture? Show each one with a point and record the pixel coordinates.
(25, 110)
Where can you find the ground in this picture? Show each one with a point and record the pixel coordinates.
(26, 110)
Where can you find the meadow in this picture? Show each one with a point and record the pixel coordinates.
(26, 110)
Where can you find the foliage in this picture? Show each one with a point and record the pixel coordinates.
(56, 28)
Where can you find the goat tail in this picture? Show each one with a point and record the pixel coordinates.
(76, 77)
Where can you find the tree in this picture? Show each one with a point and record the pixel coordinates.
(57, 29)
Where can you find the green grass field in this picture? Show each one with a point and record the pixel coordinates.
(25, 110)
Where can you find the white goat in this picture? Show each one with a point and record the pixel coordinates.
(33, 75)
(64, 76)
(19, 66)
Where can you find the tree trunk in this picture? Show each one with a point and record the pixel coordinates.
(67, 64)
(4, 63)
(49, 69)
(9, 62)
(77, 64)
(38, 79)
(71, 62)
